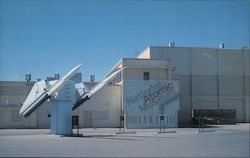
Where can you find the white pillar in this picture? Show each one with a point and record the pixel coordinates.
(61, 110)
(61, 118)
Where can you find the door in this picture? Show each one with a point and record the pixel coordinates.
(87, 119)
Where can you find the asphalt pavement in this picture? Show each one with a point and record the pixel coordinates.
(218, 141)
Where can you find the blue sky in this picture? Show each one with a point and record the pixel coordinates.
(42, 37)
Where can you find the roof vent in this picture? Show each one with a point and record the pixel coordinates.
(222, 45)
(171, 44)
(28, 77)
(50, 78)
(91, 78)
(57, 76)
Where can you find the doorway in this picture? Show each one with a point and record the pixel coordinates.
(87, 119)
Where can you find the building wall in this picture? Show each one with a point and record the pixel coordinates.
(43, 118)
(13, 92)
(139, 111)
(209, 78)
(10, 118)
(137, 74)
(158, 69)
(145, 54)
(104, 106)
(103, 109)
(12, 95)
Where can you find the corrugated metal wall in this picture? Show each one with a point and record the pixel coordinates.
(209, 78)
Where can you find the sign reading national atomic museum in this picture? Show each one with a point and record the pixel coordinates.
(145, 101)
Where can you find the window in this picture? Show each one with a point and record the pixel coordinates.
(145, 119)
(75, 120)
(139, 119)
(129, 119)
(135, 119)
(156, 119)
(150, 119)
(145, 75)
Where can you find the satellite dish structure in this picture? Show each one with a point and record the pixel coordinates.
(63, 99)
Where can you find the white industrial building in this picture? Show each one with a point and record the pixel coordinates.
(161, 81)
(122, 97)
(210, 78)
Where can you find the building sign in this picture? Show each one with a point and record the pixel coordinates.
(154, 94)
(145, 101)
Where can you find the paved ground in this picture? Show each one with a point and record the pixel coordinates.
(220, 141)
